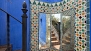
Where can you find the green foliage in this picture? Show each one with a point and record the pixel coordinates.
(55, 23)
(66, 24)
(54, 20)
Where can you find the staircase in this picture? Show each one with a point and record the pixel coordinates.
(55, 38)
(55, 43)
(4, 48)
(66, 40)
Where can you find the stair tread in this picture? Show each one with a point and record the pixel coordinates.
(53, 37)
(57, 46)
(66, 40)
(4, 46)
(54, 41)
(63, 44)
(68, 37)
(3, 49)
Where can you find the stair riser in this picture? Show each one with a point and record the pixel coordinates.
(66, 42)
(53, 35)
(67, 38)
(53, 39)
(3, 48)
(56, 43)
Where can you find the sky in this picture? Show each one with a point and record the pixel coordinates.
(58, 16)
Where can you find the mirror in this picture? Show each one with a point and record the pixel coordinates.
(49, 30)
(55, 30)
(67, 33)
(44, 31)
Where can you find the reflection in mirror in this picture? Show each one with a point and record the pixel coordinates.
(44, 31)
(48, 28)
(67, 33)
(55, 31)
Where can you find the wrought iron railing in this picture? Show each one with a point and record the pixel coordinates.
(24, 27)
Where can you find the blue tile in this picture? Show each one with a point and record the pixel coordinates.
(88, 4)
(88, 21)
(88, 39)
(88, 49)
(88, 16)
(88, 10)
(88, 27)
(88, 44)
(88, 33)
(88, 0)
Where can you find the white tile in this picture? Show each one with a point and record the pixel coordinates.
(32, 1)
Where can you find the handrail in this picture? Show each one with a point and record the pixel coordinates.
(11, 15)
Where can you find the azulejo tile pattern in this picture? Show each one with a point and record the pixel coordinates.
(34, 28)
(80, 21)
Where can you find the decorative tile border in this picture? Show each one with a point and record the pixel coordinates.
(80, 21)
(88, 25)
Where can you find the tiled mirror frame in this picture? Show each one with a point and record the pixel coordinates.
(80, 21)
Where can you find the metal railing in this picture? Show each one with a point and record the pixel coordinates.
(24, 27)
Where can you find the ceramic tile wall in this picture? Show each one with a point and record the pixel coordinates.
(88, 25)
(82, 25)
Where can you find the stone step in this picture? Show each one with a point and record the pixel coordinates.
(67, 37)
(57, 46)
(4, 48)
(53, 38)
(53, 35)
(63, 44)
(65, 41)
(55, 43)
